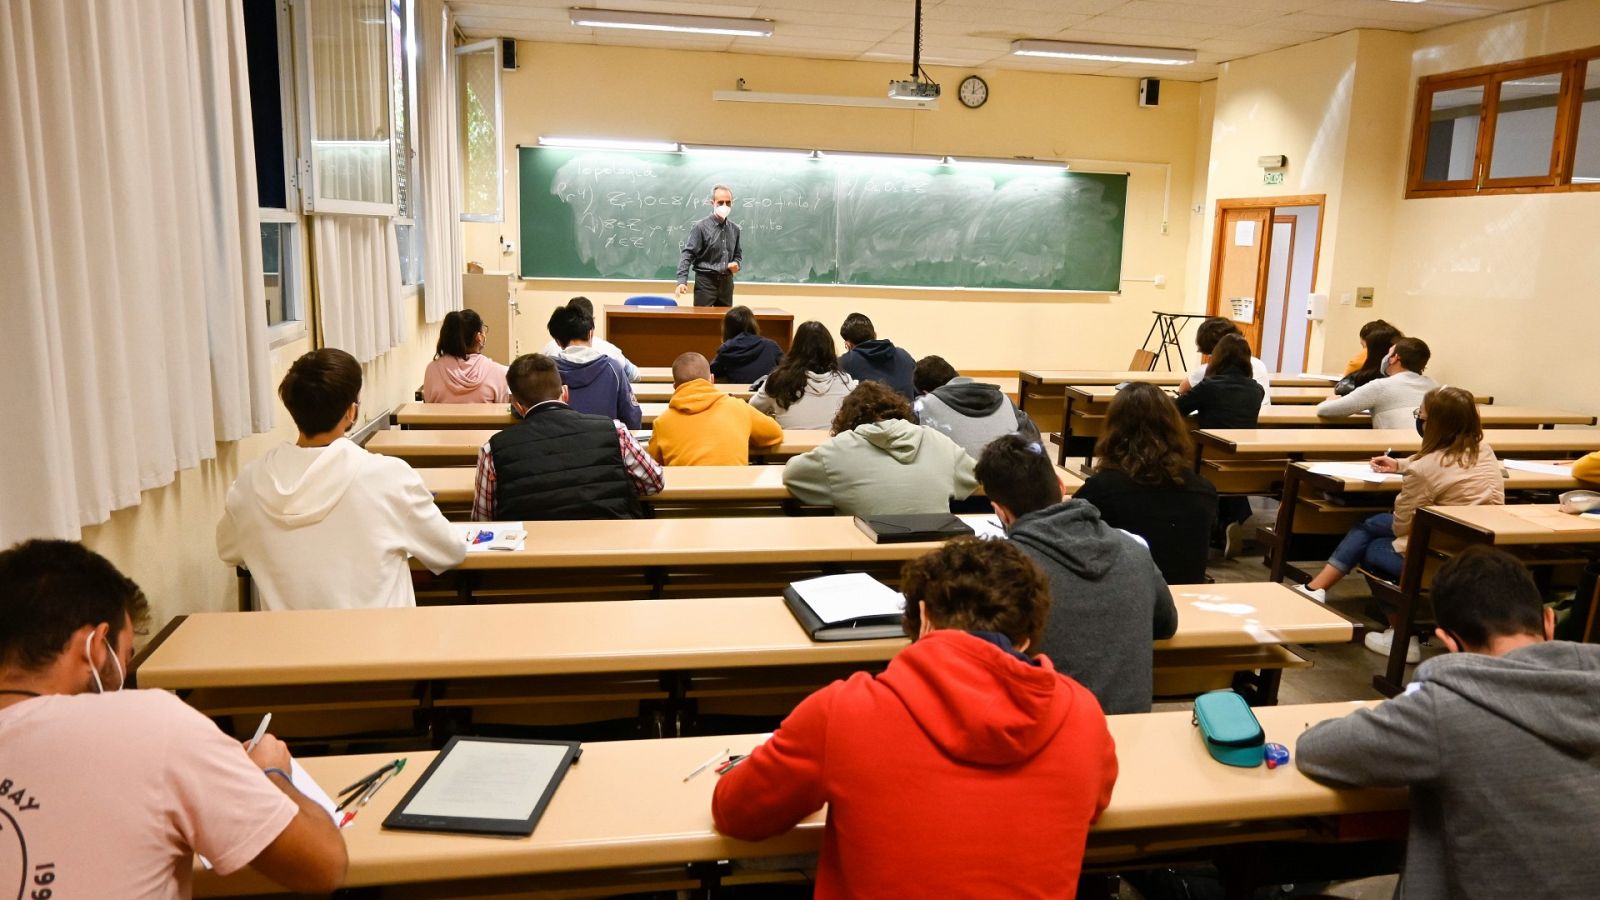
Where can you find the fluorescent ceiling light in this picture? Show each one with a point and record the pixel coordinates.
(1406, 1)
(885, 158)
(649, 21)
(1160, 56)
(767, 152)
(1007, 163)
(584, 143)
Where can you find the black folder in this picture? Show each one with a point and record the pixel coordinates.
(906, 529)
(865, 628)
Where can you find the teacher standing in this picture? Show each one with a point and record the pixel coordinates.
(712, 250)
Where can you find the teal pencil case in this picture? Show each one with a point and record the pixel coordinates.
(1230, 730)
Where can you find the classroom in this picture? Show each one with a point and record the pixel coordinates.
(529, 400)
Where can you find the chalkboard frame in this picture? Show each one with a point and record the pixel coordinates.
(834, 281)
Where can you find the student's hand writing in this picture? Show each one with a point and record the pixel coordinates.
(271, 753)
(1385, 464)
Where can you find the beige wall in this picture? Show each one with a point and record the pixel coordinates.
(598, 91)
(168, 544)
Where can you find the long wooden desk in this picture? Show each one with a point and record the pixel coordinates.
(482, 415)
(1043, 397)
(459, 446)
(447, 656)
(1519, 529)
(655, 374)
(1328, 504)
(655, 335)
(625, 807)
(758, 487)
(1252, 460)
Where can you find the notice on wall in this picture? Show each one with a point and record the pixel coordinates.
(1244, 234)
(1244, 308)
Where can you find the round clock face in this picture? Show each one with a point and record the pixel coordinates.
(974, 92)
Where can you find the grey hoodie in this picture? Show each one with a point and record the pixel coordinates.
(893, 467)
(1107, 602)
(1502, 755)
(818, 403)
(973, 414)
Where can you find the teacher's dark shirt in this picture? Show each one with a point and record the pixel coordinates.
(711, 245)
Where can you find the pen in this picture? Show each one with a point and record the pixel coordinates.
(371, 792)
(370, 778)
(707, 764)
(261, 731)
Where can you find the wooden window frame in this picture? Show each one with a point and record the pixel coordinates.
(1572, 66)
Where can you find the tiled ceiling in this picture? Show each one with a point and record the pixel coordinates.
(978, 33)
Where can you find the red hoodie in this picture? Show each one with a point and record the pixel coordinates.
(961, 771)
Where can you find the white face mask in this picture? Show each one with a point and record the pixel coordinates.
(94, 673)
(722, 210)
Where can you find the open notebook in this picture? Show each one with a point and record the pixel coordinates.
(852, 607)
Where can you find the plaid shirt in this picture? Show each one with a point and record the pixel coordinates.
(644, 472)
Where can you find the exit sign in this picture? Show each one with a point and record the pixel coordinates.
(1272, 178)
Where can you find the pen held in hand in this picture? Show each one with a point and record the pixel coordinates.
(261, 731)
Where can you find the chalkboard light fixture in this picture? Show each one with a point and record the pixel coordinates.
(649, 21)
(1124, 53)
(768, 152)
(587, 143)
(796, 153)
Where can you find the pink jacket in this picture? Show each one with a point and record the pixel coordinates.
(476, 379)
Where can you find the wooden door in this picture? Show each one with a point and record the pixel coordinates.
(1239, 270)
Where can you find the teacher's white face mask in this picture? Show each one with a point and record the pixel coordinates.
(722, 210)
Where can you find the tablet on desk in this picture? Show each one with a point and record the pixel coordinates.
(496, 786)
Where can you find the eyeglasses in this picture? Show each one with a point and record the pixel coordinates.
(1417, 414)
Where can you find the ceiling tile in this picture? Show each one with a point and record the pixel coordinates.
(1194, 12)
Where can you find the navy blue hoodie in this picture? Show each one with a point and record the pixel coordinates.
(880, 360)
(596, 384)
(745, 358)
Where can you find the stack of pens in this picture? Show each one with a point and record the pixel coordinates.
(362, 791)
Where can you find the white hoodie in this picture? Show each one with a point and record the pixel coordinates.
(818, 404)
(332, 527)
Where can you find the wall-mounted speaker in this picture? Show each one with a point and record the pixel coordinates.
(1149, 92)
(508, 53)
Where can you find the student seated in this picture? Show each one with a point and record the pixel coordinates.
(868, 357)
(1394, 398)
(322, 523)
(969, 413)
(1206, 337)
(1497, 742)
(1454, 468)
(596, 383)
(1107, 599)
(966, 769)
(806, 388)
(1144, 482)
(705, 427)
(745, 356)
(1377, 338)
(880, 462)
(1587, 468)
(460, 373)
(558, 463)
(1376, 326)
(113, 790)
(1227, 398)
(584, 306)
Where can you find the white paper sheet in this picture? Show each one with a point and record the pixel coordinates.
(987, 528)
(502, 535)
(1358, 471)
(1244, 234)
(1556, 469)
(488, 780)
(841, 598)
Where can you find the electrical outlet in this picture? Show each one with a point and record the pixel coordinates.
(1159, 281)
(1346, 298)
(507, 247)
(1364, 296)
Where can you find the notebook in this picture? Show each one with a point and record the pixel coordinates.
(905, 529)
(854, 607)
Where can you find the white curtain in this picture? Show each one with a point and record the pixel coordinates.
(131, 301)
(358, 285)
(440, 169)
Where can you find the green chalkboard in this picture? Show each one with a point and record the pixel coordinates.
(607, 214)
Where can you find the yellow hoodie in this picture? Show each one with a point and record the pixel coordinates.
(1587, 468)
(705, 427)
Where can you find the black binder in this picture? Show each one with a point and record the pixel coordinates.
(906, 529)
(866, 628)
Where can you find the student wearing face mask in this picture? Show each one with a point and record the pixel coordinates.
(1392, 397)
(113, 791)
(712, 251)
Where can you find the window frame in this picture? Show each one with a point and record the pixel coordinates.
(1571, 65)
(493, 46)
(292, 252)
(293, 256)
(413, 212)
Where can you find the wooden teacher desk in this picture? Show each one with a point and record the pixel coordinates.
(449, 659)
(625, 808)
(655, 335)
(459, 446)
(1330, 504)
(1524, 529)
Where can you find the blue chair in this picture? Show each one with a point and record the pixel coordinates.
(649, 300)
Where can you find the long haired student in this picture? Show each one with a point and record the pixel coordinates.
(807, 387)
(460, 373)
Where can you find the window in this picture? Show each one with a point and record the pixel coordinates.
(269, 62)
(1523, 126)
(478, 100)
(346, 52)
(408, 193)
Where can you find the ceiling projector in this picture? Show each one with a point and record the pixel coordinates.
(913, 90)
